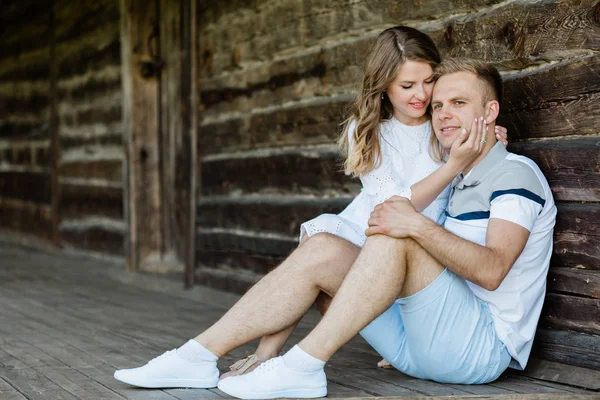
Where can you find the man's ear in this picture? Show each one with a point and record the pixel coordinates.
(492, 109)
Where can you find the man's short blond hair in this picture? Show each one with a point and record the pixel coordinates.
(485, 72)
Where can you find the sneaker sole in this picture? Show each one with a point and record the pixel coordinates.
(170, 383)
(290, 393)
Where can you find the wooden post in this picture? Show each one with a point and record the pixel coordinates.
(141, 130)
(158, 51)
(178, 134)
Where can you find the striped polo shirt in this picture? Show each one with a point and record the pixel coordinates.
(510, 187)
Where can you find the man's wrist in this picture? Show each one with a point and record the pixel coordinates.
(419, 227)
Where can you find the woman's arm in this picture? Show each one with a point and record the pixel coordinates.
(465, 149)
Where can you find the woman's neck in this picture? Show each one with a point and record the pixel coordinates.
(409, 121)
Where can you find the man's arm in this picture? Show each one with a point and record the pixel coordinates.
(486, 266)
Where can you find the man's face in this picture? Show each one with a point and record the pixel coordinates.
(456, 101)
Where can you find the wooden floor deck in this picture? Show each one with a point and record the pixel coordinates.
(67, 322)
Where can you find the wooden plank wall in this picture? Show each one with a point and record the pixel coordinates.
(275, 77)
(87, 104)
(90, 125)
(25, 169)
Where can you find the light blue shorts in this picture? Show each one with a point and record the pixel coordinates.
(442, 333)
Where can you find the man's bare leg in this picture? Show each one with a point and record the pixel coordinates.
(271, 345)
(385, 269)
(284, 295)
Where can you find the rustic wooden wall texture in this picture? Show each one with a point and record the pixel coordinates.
(25, 139)
(60, 85)
(275, 78)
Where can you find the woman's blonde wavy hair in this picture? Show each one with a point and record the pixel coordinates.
(392, 48)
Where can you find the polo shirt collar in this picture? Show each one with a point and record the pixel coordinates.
(493, 157)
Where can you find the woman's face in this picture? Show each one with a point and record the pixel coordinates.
(410, 92)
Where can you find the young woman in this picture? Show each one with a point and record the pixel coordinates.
(388, 143)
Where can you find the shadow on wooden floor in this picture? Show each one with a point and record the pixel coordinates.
(67, 322)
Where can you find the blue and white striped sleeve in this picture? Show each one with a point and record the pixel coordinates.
(518, 196)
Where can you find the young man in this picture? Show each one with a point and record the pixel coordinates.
(454, 304)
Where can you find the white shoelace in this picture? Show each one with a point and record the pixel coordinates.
(163, 355)
(266, 366)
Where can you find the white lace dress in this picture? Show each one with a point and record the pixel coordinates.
(405, 161)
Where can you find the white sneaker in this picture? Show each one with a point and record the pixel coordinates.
(169, 370)
(273, 379)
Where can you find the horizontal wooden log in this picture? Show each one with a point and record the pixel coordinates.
(94, 115)
(298, 171)
(571, 166)
(95, 239)
(25, 31)
(570, 312)
(315, 123)
(79, 201)
(26, 217)
(574, 282)
(110, 170)
(234, 281)
(255, 243)
(554, 102)
(17, 156)
(268, 213)
(33, 65)
(112, 140)
(569, 347)
(13, 130)
(236, 260)
(96, 86)
(77, 20)
(26, 186)
(519, 33)
(577, 236)
(563, 373)
(16, 105)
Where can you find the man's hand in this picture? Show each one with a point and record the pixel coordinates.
(395, 217)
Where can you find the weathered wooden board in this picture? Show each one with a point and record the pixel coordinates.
(281, 214)
(574, 281)
(567, 347)
(109, 170)
(556, 101)
(95, 239)
(78, 201)
(253, 242)
(571, 166)
(576, 238)
(26, 217)
(564, 373)
(301, 171)
(519, 34)
(569, 312)
(318, 122)
(18, 185)
(229, 260)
